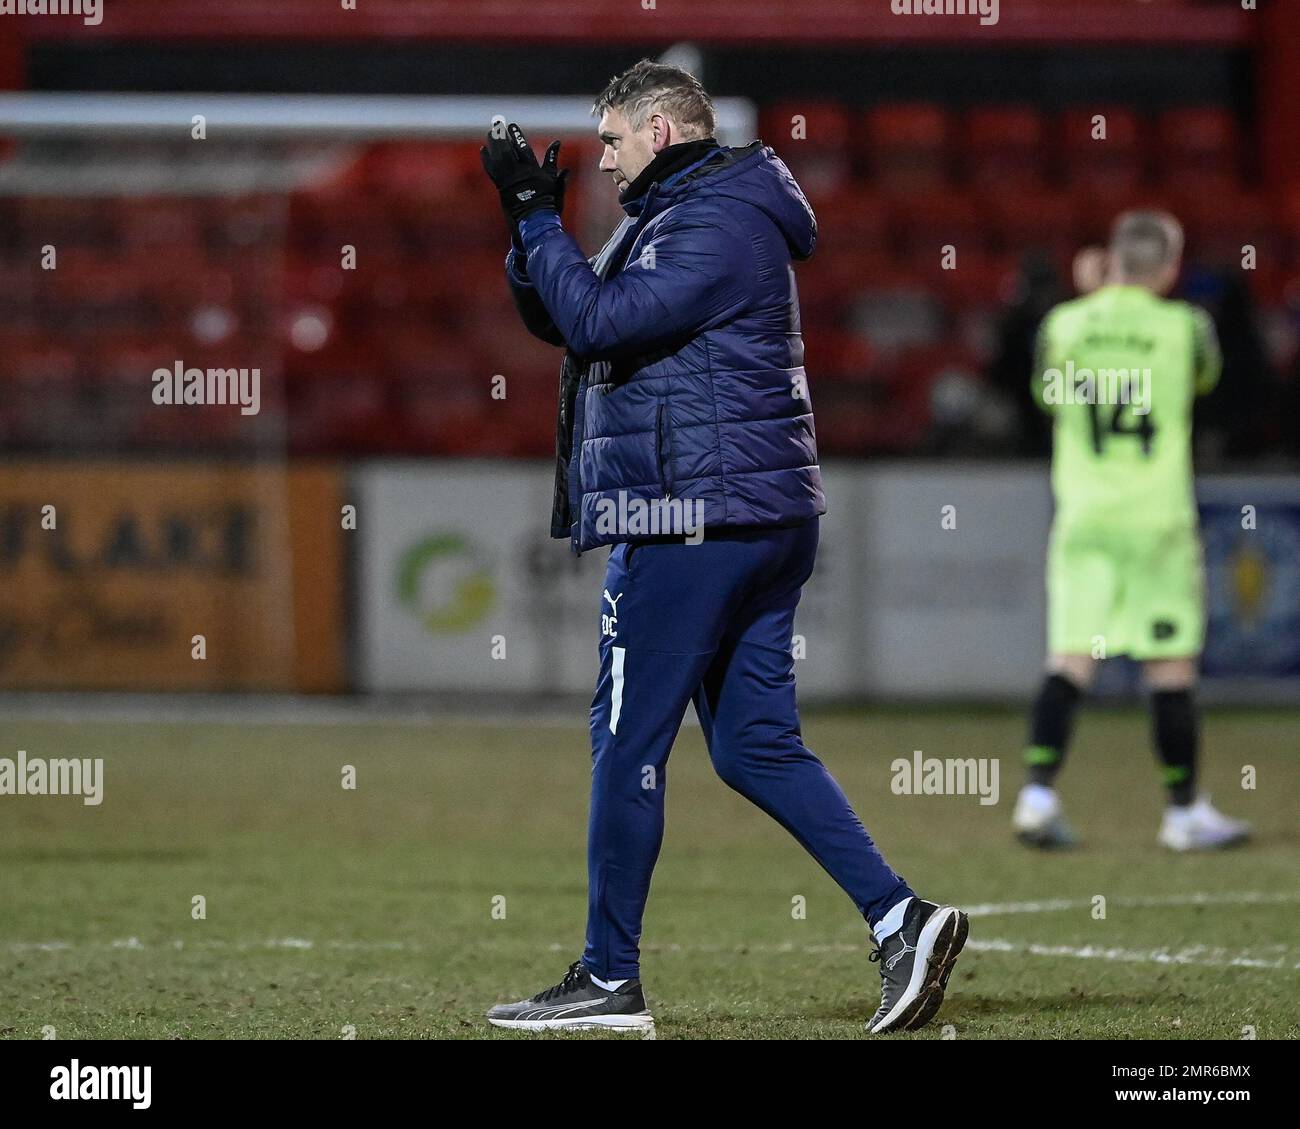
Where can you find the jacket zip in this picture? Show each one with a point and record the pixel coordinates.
(663, 449)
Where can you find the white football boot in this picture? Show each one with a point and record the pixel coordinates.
(1038, 821)
(1200, 827)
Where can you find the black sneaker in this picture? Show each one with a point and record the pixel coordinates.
(578, 1004)
(915, 964)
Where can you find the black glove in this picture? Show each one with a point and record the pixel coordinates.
(548, 165)
(524, 185)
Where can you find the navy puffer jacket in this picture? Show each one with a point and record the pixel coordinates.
(684, 374)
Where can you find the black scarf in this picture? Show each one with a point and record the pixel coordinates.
(666, 162)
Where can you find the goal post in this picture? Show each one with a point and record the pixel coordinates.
(338, 117)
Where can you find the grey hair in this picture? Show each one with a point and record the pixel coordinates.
(1145, 242)
(649, 86)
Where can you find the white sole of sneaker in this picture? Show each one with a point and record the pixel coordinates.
(1047, 838)
(943, 919)
(1184, 846)
(644, 1022)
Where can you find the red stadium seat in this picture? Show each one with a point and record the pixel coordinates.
(1098, 210)
(1005, 145)
(928, 222)
(908, 147)
(831, 281)
(815, 139)
(836, 355)
(1220, 225)
(424, 170)
(1046, 219)
(854, 214)
(814, 125)
(978, 279)
(1201, 146)
(1104, 152)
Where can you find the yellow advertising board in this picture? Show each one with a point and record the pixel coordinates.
(170, 576)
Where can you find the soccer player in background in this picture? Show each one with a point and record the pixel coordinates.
(683, 381)
(1119, 369)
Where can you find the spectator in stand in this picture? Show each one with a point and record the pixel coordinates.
(1038, 289)
(1237, 418)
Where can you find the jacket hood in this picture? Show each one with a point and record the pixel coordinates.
(757, 176)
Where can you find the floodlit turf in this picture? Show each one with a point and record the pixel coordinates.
(373, 910)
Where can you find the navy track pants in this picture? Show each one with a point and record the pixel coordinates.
(710, 623)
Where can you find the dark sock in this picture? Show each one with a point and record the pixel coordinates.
(1174, 715)
(1050, 725)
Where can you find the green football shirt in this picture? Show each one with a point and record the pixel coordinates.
(1119, 369)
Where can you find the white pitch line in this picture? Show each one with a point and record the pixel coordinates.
(1055, 905)
(1193, 955)
(134, 943)
(1196, 954)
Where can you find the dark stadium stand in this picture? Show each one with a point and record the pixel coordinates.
(398, 355)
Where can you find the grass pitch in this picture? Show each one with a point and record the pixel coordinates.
(377, 912)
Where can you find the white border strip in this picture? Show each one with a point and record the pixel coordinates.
(616, 693)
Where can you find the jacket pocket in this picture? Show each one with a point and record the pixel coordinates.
(664, 448)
